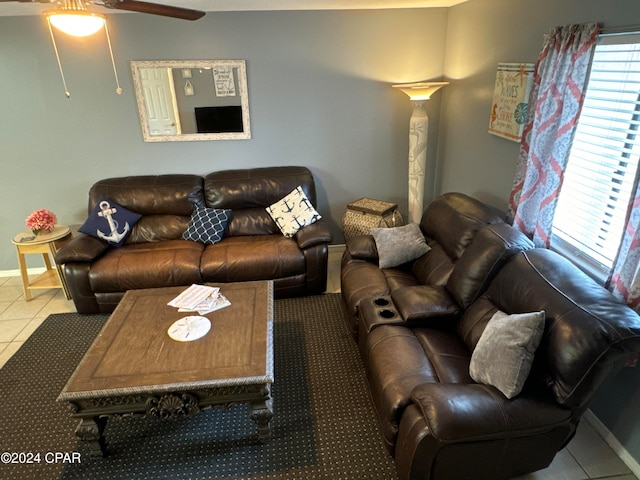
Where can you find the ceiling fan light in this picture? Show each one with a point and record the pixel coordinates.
(77, 24)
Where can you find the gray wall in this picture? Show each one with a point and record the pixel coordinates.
(473, 161)
(319, 95)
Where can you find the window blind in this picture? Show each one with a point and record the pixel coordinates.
(602, 167)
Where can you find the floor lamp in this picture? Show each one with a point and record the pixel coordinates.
(418, 93)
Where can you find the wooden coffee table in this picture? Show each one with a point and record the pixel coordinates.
(134, 368)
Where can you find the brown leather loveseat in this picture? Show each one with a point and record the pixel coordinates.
(155, 255)
(419, 326)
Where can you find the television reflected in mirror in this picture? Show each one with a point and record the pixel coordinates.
(219, 119)
(186, 100)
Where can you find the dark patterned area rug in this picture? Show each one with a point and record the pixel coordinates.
(324, 425)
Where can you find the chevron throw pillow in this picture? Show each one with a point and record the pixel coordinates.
(207, 225)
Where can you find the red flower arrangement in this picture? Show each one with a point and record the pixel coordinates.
(40, 220)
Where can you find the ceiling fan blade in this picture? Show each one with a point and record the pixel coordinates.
(154, 9)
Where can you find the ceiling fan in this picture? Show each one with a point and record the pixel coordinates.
(74, 18)
(129, 5)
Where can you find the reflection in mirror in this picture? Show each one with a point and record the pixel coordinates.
(186, 100)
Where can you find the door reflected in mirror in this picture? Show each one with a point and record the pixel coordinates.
(187, 100)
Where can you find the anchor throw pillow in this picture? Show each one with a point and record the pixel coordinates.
(293, 212)
(207, 225)
(110, 222)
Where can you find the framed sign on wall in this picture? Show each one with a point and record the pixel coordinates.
(510, 100)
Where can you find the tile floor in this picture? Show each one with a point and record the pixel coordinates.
(586, 457)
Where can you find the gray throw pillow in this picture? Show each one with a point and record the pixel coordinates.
(399, 245)
(505, 351)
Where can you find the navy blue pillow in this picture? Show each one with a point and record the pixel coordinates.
(110, 222)
(207, 225)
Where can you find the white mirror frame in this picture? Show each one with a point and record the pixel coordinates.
(136, 65)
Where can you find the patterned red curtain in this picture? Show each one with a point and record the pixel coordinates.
(625, 278)
(557, 94)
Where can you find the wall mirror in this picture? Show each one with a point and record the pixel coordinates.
(186, 100)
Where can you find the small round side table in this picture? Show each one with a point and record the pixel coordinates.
(47, 244)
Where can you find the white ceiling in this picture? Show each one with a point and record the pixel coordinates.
(23, 8)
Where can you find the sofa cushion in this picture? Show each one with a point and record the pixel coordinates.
(175, 263)
(504, 354)
(399, 277)
(491, 247)
(434, 268)
(251, 221)
(158, 228)
(447, 354)
(207, 225)
(453, 220)
(253, 190)
(152, 194)
(399, 245)
(474, 320)
(256, 187)
(164, 201)
(293, 212)
(110, 222)
(260, 257)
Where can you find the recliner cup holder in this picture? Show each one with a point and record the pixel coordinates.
(381, 302)
(376, 311)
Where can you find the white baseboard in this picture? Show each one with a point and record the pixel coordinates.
(613, 442)
(336, 248)
(16, 272)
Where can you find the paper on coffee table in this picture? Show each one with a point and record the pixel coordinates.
(209, 305)
(193, 296)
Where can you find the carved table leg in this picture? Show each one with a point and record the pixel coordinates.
(262, 413)
(91, 430)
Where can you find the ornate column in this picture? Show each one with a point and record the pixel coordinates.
(418, 93)
(418, 131)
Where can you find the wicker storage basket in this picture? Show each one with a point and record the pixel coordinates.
(367, 213)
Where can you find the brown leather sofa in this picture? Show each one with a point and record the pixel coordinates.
(155, 255)
(417, 326)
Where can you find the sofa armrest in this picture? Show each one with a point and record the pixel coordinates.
(448, 422)
(471, 412)
(377, 311)
(424, 302)
(83, 248)
(313, 234)
(362, 247)
(412, 307)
